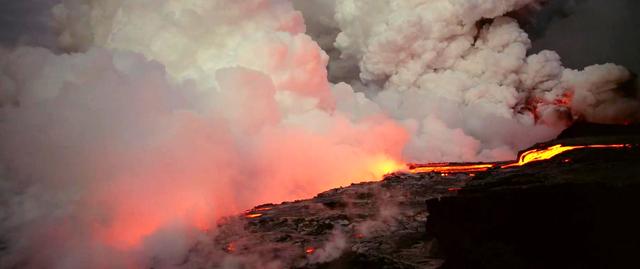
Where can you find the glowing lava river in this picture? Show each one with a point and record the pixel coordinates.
(526, 157)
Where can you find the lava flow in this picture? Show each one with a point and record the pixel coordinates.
(450, 168)
(535, 155)
(529, 156)
(254, 213)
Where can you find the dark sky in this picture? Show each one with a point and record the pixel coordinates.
(586, 32)
(583, 32)
(26, 22)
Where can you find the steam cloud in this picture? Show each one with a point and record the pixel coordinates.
(166, 115)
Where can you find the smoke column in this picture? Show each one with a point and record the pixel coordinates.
(160, 117)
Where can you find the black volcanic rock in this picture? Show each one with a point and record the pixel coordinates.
(366, 225)
(580, 213)
(587, 129)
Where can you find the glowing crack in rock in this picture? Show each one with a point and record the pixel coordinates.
(253, 216)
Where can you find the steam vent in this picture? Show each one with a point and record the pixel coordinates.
(309, 134)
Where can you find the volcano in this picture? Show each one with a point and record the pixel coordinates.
(136, 134)
(574, 209)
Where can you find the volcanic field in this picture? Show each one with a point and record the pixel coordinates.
(574, 210)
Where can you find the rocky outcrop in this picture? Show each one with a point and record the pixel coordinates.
(578, 210)
(366, 225)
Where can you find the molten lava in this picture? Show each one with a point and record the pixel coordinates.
(253, 216)
(309, 250)
(535, 155)
(254, 213)
(384, 166)
(450, 168)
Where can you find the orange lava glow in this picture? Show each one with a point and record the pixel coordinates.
(536, 155)
(446, 169)
(230, 248)
(126, 233)
(385, 166)
(129, 237)
(309, 250)
(132, 216)
(129, 232)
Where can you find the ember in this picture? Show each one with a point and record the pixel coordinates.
(230, 248)
(253, 216)
(309, 250)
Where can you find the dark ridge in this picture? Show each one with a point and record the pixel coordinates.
(552, 214)
(563, 226)
(354, 260)
(587, 129)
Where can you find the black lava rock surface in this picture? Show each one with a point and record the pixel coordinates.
(578, 210)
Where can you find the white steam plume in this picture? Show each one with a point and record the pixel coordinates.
(470, 91)
(170, 114)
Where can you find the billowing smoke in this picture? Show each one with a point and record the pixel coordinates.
(456, 79)
(163, 116)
